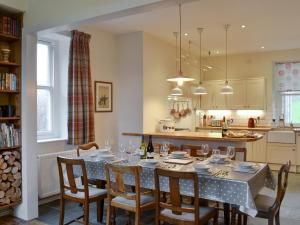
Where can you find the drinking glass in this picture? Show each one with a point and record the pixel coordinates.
(107, 144)
(164, 149)
(230, 152)
(122, 150)
(205, 150)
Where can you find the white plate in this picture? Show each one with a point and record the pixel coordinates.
(201, 167)
(246, 165)
(149, 161)
(179, 153)
(217, 160)
(107, 157)
(103, 151)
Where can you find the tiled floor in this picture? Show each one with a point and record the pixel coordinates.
(290, 211)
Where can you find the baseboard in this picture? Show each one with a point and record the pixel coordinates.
(48, 199)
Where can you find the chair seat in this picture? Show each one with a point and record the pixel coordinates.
(93, 192)
(264, 202)
(203, 211)
(143, 200)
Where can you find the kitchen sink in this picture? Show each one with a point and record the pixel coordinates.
(286, 136)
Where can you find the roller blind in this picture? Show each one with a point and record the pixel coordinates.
(287, 77)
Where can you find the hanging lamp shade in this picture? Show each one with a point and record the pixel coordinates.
(179, 77)
(226, 89)
(176, 91)
(200, 90)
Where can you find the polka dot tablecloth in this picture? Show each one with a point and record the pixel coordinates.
(235, 187)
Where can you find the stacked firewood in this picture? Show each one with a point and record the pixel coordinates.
(10, 177)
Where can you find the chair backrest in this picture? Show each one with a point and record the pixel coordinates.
(87, 146)
(282, 183)
(118, 188)
(68, 182)
(174, 186)
(237, 150)
(195, 150)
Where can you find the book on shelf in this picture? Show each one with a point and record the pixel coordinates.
(10, 25)
(10, 136)
(8, 81)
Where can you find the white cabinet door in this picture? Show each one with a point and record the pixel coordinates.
(208, 100)
(220, 100)
(238, 99)
(260, 149)
(281, 153)
(255, 93)
(298, 147)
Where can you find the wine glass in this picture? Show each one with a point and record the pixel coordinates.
(122, 150)
(107, 144)
(164, 149)
(231, 152)
(205, 150)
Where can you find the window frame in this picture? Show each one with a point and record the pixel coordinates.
(286, 108)
(53, 133)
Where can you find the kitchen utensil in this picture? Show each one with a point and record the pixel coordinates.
(177, 113)
(173, 109)
(188, 110)
(182, 111)
(251, 123)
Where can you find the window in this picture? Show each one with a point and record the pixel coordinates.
(287, 91)
(45, 88)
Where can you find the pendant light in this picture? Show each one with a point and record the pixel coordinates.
(227, 89)
(180, 78)
(200, 90)
(177, 90)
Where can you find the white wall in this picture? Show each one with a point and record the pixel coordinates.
(15, 4)
(158, 64)
(130, 93)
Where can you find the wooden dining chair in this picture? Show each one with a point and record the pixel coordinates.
(268, 207)
(118, 196)
(237, 150)
(175, 212)
(81, 193)
(194, 150)
(97, 182)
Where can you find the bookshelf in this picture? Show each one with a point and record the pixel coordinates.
(10, 108)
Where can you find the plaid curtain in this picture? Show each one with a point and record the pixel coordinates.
(80, 98)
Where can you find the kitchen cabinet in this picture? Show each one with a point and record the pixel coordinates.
(255, 93)
(238, 98)
(257, 150)
(247, 94)
(213, 99)
(298, 148)
(278, 153)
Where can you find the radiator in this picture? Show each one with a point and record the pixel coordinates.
(48, 178)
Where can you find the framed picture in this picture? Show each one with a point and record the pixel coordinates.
(103, 96)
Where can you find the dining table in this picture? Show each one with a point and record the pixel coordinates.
(224, 182)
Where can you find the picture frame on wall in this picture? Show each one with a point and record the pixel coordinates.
(103, 96)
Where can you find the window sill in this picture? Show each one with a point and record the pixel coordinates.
(41, 141)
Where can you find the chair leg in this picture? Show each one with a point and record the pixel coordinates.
(245, 219)
(233, 216)
(62, 211)
(226, 213)
(216, 218)
(277, 219)
(86, 214)
(137, 220)
(108, 215)
(271, 221)
(100, 207)
(239, 219)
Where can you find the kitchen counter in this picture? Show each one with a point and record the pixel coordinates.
(258, 128)
(199, 136)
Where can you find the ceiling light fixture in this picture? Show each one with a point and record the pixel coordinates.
(243, 26)
(262, 47)
(176, 91)
(186, 34)
(227, 89)
(200, 90)
(180, 78)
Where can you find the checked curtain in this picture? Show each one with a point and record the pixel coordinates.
(80, 98)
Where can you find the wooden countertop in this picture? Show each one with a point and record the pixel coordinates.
(259, 128)
(200, 136)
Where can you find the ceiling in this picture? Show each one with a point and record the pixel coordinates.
(273, 24)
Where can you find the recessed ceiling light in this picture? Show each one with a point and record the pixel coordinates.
(262, 47)
(243, 26)
(186, 34)
(217, 52)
